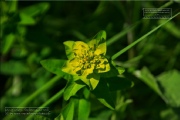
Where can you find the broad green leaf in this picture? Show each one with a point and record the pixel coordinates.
(26, 19)
(7, 43)
(169, 82)
(68, 112)
(118, 83)
(14, 68)
(55, 66)
(83, 109)
(149, 79)
(71, 89)
(103, 94)
(86, 93)
(12, 6)
(36, 9)
(69, 49)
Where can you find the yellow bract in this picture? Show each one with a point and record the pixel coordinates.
(86, 61)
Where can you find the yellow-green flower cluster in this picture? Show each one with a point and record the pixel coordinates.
(86, 60)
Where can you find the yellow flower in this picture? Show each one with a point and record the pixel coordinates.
(86, 60)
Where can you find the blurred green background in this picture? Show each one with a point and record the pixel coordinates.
(34, 31)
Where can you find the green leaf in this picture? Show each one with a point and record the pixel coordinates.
(36, 9)
(149, 79)
(118, 83)
(14, 68)
(26, 19)
(12, 6)
(169, 82)
(71, 89)
(100, 36)
(68, 112)
(69, 49)
(55, 66)
(7, 43)
(83, 109)
(103, 94)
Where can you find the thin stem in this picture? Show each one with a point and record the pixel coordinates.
(141, 38)
(51, 100)
(47, 86)
(40, 90)
(121, 34)
(125, 31)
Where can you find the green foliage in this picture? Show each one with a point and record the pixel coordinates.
(135, 73)
(54, 66)
(168, 82)
(71, 90)
(18, 68)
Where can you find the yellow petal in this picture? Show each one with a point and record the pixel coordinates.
(92, 44)
(89, 70)
(80, 48)
(103, 66)
(67, 68)
(98, 52)
(94, 82)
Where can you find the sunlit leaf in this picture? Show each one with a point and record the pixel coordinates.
(26, 19)
(169, 82)
(69, 49)
(68, 111)
(149, 79)
(83, 109)
(71, 89)
(7, 43)
(55, 66)
(36, 9)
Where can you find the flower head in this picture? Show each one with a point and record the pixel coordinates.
(86, 60)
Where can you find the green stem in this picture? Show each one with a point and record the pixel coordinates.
(121, 34)
(41, 90)
(51, 100)
(141, 38)
(35, 94)
(125, 31)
